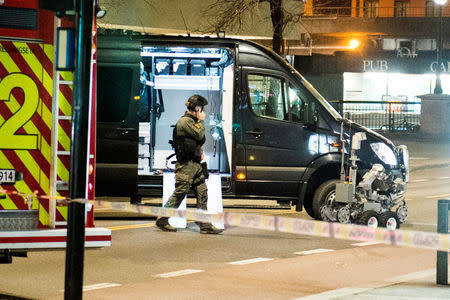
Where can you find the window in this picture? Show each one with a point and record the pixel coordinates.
(18, 18)
(431, 10)
(297, 108)
(114, 86)
(335, 7)
(371, 9)
(280, 99)
(401, 8)
(266, 96)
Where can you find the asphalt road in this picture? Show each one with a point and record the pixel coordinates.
(142, 260)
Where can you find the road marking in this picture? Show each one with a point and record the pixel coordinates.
(249, 261)
(418, 180)
(419, 157)
(445, 177)
(437, 196)
(99, 286)
(132, 226)
(320, 250)
(365, 244)
(178, 273)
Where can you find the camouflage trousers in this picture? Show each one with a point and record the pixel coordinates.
(186, 175)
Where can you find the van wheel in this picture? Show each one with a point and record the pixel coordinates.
(308, 208)
(325, 194)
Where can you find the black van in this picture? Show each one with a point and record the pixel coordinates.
(269, 132)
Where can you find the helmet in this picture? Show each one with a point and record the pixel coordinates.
(196, 100)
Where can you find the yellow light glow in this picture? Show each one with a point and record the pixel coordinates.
(354, 44)
(251, 157)
(241, 176)
(335, 145)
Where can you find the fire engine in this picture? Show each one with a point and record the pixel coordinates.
(35, 130)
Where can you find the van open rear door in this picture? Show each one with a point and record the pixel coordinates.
(117, 116)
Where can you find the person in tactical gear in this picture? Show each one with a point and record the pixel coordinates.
(188, 138)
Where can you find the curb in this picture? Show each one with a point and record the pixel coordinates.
(431, 166)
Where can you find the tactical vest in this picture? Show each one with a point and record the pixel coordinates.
(186, 148)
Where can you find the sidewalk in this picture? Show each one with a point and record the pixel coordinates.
(418, 285)
(424, 152)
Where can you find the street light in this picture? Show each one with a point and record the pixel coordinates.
(354, 44)
(438, 87)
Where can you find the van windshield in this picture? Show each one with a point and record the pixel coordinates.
(315, 94)
(321, 99)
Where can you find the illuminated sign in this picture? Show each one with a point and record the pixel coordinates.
(375, 66)
(445, 66)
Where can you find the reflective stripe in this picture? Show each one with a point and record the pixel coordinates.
(37, 63)
(62, 210)
(43, 215)
(8, 203)
(63, 172)
(63, 138)
(64, 105)
(30, 163)
(46, 115)
(8, 63)
(4, 163)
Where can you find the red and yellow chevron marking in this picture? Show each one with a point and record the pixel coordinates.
(26, 72)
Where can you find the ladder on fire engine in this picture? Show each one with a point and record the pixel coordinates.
(55, 184)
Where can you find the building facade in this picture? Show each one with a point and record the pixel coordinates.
(396, 59)
(397, 41)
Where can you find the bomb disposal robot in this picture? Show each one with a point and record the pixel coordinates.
(377, 200)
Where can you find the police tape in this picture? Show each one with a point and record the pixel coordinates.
(28, 198)
(403, 238)
(35, 195)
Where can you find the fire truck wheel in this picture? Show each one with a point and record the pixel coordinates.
(5, 257)
(389, 220)
(325, 194)
(369, 218)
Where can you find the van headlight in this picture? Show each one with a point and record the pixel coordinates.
(384, 153)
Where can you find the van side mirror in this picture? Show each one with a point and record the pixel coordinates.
(313, 117)
(311, 121)
(310, 126)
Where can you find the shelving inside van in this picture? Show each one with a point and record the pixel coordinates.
(169, 76)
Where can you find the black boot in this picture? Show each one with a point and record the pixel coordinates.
(206, 228)
(163, 224)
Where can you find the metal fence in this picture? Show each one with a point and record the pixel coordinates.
(401, 116)
(399, 11)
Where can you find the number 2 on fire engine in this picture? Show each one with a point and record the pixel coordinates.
(8, 137)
